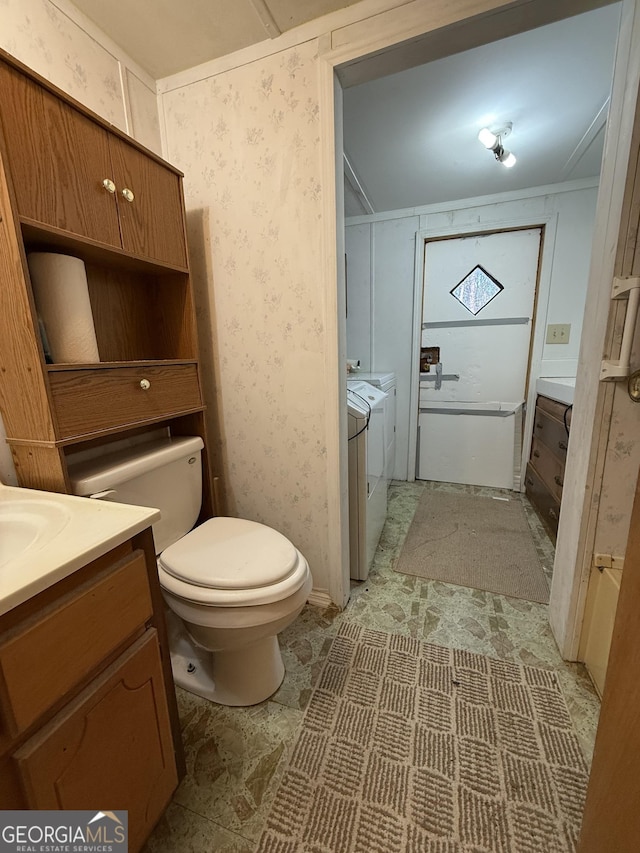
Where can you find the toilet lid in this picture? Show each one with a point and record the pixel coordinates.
(230, 553)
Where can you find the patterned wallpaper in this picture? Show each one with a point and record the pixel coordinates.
(43, 37)
(248, 143)
(622, 460)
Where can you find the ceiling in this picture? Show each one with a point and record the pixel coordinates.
(412, 137)
(165, 36)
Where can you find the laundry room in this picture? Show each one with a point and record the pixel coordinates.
(467, 264)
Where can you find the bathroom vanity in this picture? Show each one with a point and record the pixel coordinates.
(88, 715)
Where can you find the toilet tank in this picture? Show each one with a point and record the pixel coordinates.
(165, 473)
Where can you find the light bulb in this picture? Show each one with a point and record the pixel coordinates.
(487, 138)
(508, 159)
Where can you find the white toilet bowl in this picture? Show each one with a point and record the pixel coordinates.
(234, 585)
(231, 585)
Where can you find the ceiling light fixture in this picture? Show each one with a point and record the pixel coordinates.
(492, 139)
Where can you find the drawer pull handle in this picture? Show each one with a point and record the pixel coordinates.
(557, 480)
(553, 513)
(562, 445)
(145, 384)
(109, 186)
(536, 453)
(128, 195)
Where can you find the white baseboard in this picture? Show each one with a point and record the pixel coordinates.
(319, 598)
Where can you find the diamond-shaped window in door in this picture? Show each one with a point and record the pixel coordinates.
(477, 289)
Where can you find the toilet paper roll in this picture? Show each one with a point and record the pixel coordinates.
(62, 298)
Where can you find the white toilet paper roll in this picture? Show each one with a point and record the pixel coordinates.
(62, 299)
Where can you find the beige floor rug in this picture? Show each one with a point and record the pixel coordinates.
(407, 746)
(476, 542)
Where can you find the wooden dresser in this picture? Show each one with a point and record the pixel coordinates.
(545, 469)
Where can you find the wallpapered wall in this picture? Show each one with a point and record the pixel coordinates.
(248, 143)
(58, 48)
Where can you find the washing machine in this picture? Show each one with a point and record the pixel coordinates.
(358, 420)
(386, 381)
(368, 487)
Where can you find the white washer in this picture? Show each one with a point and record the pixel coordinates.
(361, 394)
(386, 382)
(358, 420)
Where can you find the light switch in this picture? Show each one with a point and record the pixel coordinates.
(558, 333)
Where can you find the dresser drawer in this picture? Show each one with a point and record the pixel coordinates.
(88, 401)
(554, 408)
(551, 433)
(58, 647)
(540, 496)
(548, 467)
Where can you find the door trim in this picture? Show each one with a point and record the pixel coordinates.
(547, 224)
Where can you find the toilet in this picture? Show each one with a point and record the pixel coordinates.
(231, 585)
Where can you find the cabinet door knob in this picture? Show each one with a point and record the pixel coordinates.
(553, 513)
(128, 195)
(536, 453)
(562, 445)
(557, 480)
(529, 481)
(109, 185)
(145, 384)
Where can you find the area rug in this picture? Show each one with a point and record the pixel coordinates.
(407, 746)
(474, 541)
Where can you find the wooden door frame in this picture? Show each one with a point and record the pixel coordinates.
(502, 225)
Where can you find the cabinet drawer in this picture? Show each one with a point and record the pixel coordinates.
(88, 401)
(549, 468)
(551, 433)
(554, 408)
(55, 649)
(546, 504)
(110, 745)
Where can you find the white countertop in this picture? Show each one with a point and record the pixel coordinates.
(62, 533)
(560, 389)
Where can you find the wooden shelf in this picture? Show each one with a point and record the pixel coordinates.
(106, 365)
(39, 237)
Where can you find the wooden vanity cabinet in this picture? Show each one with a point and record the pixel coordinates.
(72, 183)
(544, 476)
(87, 707)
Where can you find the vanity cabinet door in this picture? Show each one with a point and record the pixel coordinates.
(111, 747)
(53, 651)
(149, 198)
(59, 159)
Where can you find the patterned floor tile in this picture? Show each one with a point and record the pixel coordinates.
(183, 831)
(235, 756)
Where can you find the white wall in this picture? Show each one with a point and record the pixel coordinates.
(62, 45)
(381, 259)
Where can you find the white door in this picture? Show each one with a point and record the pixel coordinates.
(478, 304)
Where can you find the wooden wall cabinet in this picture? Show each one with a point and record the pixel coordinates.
(544, 476)
(71, 183)
(88, 713)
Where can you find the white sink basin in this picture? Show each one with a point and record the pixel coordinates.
(45, 536)
(29, 525)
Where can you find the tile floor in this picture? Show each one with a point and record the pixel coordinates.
(235, 756)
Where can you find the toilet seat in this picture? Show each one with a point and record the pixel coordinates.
(232, 562)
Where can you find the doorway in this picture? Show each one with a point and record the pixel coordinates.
(478, 306)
